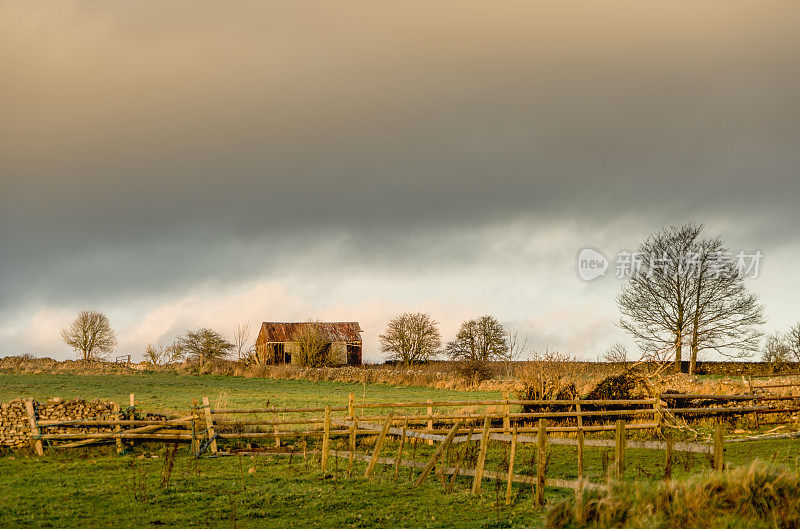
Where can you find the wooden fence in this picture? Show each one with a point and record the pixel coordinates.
(205, 427)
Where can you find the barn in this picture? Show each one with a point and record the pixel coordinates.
(275, 343)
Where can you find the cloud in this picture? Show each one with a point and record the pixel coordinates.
(152, 149)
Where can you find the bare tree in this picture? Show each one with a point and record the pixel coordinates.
(793, 340)
(90, 334)
(517, 346)
(241, 340)
(164, 354)
(655, 303)
(616, 353)
(777, 351)
(725, 316)
(313, 346)
(411, 337)
(205, 344)
(477, 343)
(685, 290)
(154, 354)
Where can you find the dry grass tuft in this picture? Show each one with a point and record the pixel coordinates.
(747, 497)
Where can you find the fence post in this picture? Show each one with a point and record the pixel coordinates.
(541, 461)
(668, 457)
(351, 398)
(719, 447)
(132, 415)
(212, 435)
(378, 446)
(476, 484)
(580, 440)
(118, 428)
(430, 422)
(353, 429)
(506, 410)
(400, 450)
(436, 454)
(326, 439)
(460, 459)
(511, 456)
(752, 392)
(659, 416)
(619, 458)
(195, 442)
(34, 426)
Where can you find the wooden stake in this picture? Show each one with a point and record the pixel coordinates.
(195, 442)
(668, 457)
(326, 440)
(506, 410)
(378, 446)
(118, 428)
(209, 425)
(353, 429)
(351, 399)
(400, 450)
(619, 445)
(476, 484)
(580, 441)
(132, 413)
(541, 461)
(34, 426)
(511, 456)
(435, 457)
(719, 447)
(430, 421)
(459, 460)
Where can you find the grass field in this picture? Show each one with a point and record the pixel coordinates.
(94, 487)
(172, 391)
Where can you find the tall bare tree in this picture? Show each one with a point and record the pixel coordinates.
(477, 343)
(684, 289)
(411, 338)
(205, 344)
(725, 316)
(241, 340)
(655, 302)
(517, 346)
(90, 334)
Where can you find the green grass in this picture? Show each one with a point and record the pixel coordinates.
(95, 487)
(155, 391)
(100, 489)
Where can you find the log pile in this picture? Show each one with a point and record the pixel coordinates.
(15, 428)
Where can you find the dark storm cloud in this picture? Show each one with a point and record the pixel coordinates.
(148, 146)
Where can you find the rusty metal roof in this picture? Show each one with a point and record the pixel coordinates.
(343, 331)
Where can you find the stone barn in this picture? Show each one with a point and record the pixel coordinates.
(275, 343)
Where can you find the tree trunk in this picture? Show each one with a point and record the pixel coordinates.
(678, 345)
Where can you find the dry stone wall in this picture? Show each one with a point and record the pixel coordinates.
(15, 427)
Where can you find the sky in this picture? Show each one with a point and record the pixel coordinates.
(203, 164)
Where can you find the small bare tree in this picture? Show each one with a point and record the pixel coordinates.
(313, 347)
(777, 351)
(164, 354)
(241, 340)
(793, 340)
(205, 344)
(478, 342)
(517, 347)
(411, 337)
(616, 353)
(90, 334)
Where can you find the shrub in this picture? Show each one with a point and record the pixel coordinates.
(747, 497)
